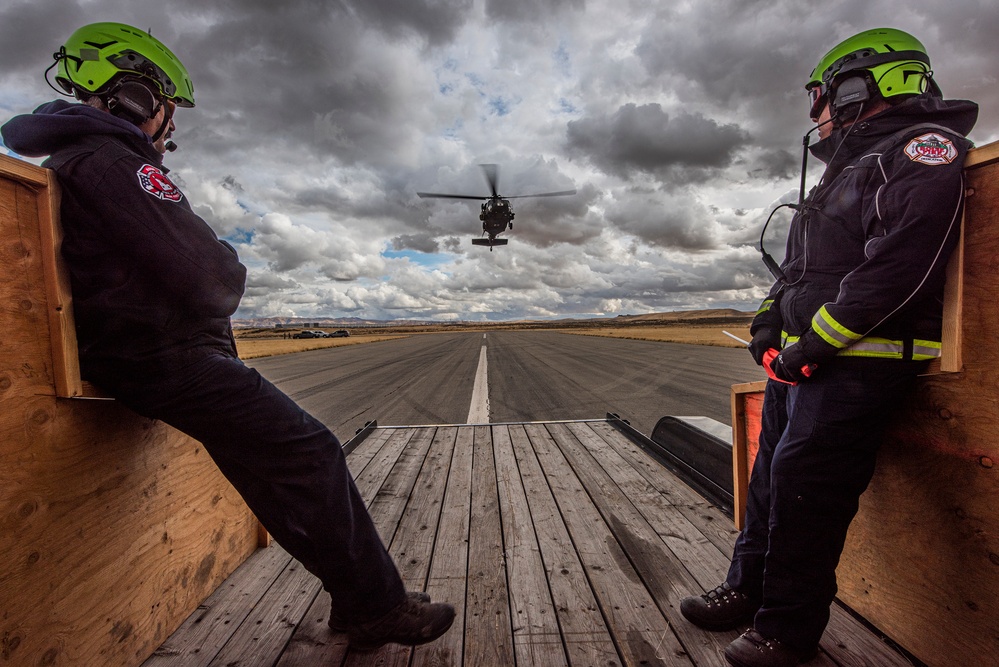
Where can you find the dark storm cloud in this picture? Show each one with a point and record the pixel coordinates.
(419, 242)
(25, 25)
(773, 164)
(528, 10)
(661, 221)
(435, 20)
(646, 138)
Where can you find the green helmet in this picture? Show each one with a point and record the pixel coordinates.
(97, 55)
(896, 62)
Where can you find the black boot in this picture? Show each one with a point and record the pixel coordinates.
(720, 609)
(337, 624)
(412, 622)
(754, 650)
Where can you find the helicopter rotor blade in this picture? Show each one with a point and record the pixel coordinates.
(491, 172)
(436, 195)
(545, 194)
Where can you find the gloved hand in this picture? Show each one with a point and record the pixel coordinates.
(789, 366)
(763, 340)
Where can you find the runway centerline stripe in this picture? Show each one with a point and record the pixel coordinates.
(478, 411)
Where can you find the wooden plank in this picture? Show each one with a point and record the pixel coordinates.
(358, 459)
(846, 640)
(261, 638)
(642, 634)
(691, 548)
(715, 525)
(389, 503)
(373, 475)
(744, 438)
(487, 621)
(951, 358)
(448, 577)
(665, 578)
(536, 636)
(199, 639)
(982, 156)
(587, 639)
(313, 643)
(58, 294)
(19, 171)
(412, 546)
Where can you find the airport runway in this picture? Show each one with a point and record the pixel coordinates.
(523, 375)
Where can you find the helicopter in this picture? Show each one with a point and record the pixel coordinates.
(497, 215)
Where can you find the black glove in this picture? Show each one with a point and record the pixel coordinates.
(763, 340)
(792, 366)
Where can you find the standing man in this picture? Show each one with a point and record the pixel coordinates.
(153, 289)
(855, 314)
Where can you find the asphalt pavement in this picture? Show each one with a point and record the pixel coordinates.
(530, 376)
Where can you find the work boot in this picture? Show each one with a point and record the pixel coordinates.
(720, 609)
(754, 650)
(413, 621)
(337, 624)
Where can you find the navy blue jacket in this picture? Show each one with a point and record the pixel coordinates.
(150, 278)
(867, 254)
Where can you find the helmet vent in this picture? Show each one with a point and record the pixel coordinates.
(101, 46)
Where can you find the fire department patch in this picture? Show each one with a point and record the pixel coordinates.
(156, 183)
(931, 149)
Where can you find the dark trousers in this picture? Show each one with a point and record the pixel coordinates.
(288, 467)
(818, 448)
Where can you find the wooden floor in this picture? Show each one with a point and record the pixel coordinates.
(559, 543)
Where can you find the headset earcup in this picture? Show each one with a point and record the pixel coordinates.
(133, 102)
(851, 90)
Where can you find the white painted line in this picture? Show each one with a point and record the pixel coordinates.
(478, 411)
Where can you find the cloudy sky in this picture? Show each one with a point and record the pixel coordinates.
(678, 123)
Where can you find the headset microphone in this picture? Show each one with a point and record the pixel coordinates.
(170, 146)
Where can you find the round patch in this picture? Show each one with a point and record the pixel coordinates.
(932, 149)
(156, 183)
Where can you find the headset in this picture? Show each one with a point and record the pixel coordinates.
(132, 100)
(851, 90)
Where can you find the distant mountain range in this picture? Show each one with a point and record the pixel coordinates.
(687, 316)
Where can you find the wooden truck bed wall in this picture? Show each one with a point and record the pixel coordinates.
(922, 557)
(113, 528)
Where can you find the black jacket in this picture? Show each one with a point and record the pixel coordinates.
(867, 254)
(150, 278)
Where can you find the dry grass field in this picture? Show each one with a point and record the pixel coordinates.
(691, 334)
(250, 347)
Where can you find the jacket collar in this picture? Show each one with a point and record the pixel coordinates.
(957, 115)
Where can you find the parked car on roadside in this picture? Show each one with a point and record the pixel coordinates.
(339, 333)
(309, 334)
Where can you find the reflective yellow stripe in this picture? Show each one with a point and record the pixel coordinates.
(881, 348)
(832, 331)
(765, 306)
(925, 349)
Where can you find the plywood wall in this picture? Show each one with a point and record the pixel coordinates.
(922, 557)
(113, 528)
